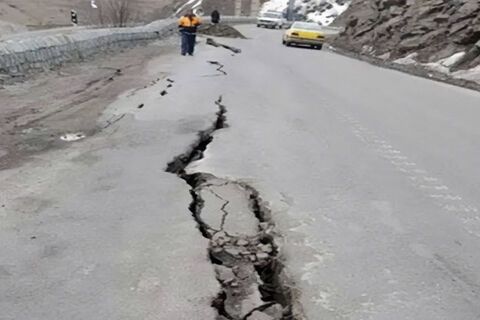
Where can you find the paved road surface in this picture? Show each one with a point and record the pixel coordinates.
(371, 175)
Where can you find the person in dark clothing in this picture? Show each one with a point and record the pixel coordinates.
(188, 27)
(215, 16)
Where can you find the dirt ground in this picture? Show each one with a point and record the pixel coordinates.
(220, 30)
(37, 112)
(42, 13)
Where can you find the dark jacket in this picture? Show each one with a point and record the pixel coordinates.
(215, 16)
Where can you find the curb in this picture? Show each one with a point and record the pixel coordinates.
(413, 69)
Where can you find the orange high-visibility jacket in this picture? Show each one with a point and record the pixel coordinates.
(189, 24)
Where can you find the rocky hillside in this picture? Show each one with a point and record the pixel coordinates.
(48, 13)
(428, 30)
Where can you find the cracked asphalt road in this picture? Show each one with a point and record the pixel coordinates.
(370, 176)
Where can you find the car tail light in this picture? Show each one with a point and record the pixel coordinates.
(295, 34)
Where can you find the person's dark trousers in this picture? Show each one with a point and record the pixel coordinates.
(188, 43)
(185, 43)
(191, 43)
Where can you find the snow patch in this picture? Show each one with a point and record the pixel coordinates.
(443, 66)
(323, 12)
(410, 59)
(275, 5)
(384, 56)
(70, 137)
(436, 67)
(189, 2)
(329, 15)
(198, 4)
(470, 74)
(450, 61)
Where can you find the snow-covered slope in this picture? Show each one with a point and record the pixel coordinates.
(326, 11)
(321, 11)
(275, 5)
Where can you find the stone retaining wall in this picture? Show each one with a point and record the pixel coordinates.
(34, 51)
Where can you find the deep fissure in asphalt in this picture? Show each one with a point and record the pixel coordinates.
(249, 267)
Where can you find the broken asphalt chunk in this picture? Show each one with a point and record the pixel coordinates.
(212, 42)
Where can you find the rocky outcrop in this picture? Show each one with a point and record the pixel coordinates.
(434, 29)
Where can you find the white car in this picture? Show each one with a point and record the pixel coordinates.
(271, 19)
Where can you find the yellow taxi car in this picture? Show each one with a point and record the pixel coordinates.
(304, 33)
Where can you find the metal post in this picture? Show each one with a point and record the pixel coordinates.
(74, 17)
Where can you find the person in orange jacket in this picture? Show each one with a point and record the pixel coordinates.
(188, 27)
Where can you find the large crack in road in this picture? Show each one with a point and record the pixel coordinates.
(242, 240)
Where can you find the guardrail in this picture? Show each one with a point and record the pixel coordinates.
(17, 56)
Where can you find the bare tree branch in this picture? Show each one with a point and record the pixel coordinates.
(117, 13)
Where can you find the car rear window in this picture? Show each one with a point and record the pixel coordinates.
(272, 15)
